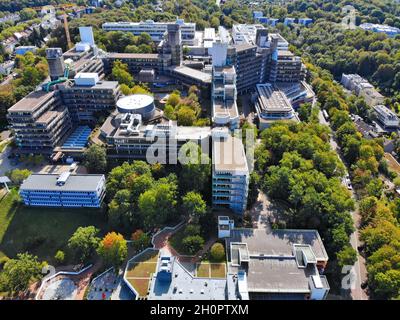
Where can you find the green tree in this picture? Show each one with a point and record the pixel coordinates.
(17, 176)
(196, 170)
(19, 272)
(158, 204)
(185, 116)
(346, 257)
(95, 159)
(194, 205)
(304, 111)
(193, 244)
(121, 74)
(84, 242)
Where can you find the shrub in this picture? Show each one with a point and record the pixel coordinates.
(3, 261)
(60, 256)
(217, 252)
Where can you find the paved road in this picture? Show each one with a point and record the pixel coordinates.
(360, 272)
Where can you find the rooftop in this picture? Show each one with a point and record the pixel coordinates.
(278, 261)
(31, 101)
(276, 275)
(154, 56)
(272, 99)
(74, 182)
(185, 286)
(278, 242)
(228, 155)
(192, 73)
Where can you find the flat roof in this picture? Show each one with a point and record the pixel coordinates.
(75, 182)
(116, 55)
(99, 85)
(272, 99)
(192, 73)
(278, 275)
(135, 101)
(31, 101)
(278, 242)
(187, 287)
(228, 155)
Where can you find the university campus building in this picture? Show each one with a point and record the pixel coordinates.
(64, 190)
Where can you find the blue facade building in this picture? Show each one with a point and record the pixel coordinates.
(64, 190)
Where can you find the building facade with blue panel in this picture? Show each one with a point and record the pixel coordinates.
(64, 190)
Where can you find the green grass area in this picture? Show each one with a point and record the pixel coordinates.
(210, 270)
(141, 286)
(141, 269)
(218, 270)
(203, 270)
(41, 231)
(147, 256)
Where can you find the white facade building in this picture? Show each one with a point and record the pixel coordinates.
(382, 28)
(386, 117)
(156, 30)
(361, 87)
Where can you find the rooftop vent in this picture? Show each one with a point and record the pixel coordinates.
(63, 177)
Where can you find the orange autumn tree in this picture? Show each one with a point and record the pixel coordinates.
(113, 249)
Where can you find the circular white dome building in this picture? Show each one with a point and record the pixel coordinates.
(142, 104)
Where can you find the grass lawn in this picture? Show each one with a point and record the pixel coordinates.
(210, 270)
(140, 285)
(203, 270)
(141, 269)
(41, 231)
(218, 270)
(148, 256)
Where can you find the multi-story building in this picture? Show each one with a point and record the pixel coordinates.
(230, 172)
(386, 117)
(251, 65)
(280, 264)
(223, 91)
(305, 21)
(136, 61)
(381, 28)
(361, 87)
(272, 104)
(245, 33)
(289, 21)
(64, 190)
(158, 140)
(156, 30)
(88, 97)
(39, 121)
(285, 67)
